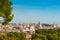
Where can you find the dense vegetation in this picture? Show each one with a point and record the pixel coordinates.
(46, 34)
(40, 34)
(6, 11)
(13, 36)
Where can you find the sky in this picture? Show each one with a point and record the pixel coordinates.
(32, 11)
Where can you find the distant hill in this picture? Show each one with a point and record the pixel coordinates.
(46, 25)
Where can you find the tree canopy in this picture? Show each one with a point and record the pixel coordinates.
(47, 34)
(6, 11)
(13, 36)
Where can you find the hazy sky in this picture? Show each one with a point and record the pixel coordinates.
(45, 11)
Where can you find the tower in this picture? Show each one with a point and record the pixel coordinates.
(39, 25)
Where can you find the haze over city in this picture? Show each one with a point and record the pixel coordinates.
(45, 11)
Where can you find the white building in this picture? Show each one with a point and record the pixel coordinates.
(32, 28)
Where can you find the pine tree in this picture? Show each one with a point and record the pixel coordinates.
(6, 11)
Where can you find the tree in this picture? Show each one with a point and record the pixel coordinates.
(23, 36)
(47, 34)
(6, 11)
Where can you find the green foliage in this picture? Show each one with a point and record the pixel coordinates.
(23, 36)
(6, 11)
(13, 36)
(47, 34)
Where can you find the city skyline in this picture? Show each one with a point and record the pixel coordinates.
(45, 11)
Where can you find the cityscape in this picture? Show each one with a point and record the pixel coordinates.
(26, 27)
(29, 19)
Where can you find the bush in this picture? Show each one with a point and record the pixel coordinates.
(47, 34)
(13, 36)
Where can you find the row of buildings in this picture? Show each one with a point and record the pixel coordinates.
(30, 27)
